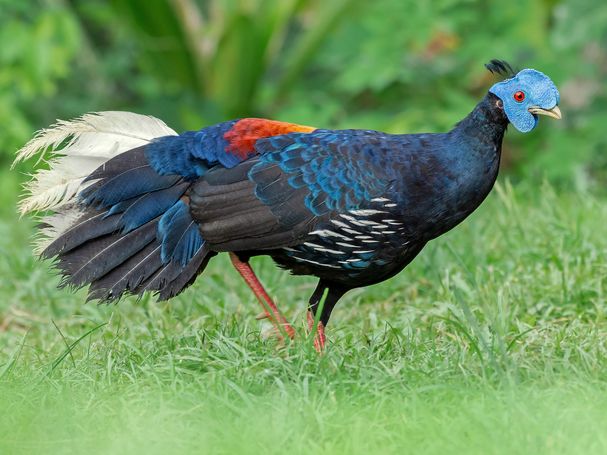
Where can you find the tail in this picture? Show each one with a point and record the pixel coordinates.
(108, 217)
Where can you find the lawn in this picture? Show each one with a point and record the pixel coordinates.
(492, 341)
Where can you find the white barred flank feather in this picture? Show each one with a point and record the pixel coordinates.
(73, 150)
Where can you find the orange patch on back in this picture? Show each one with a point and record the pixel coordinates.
(242, 136)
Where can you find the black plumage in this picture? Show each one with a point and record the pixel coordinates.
(351, 207)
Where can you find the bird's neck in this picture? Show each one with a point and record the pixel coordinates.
(471, 157)
(484, 126)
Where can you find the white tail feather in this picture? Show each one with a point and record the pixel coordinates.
(75, 149)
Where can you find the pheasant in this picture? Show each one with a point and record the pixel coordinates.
(129, 206)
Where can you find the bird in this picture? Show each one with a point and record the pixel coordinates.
(128, 206)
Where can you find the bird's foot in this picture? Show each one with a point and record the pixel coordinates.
(319, 337)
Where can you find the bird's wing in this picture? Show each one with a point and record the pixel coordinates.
(297, 181)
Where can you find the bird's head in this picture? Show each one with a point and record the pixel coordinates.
(525, 95)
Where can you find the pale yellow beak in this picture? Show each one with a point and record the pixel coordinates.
(555, 112)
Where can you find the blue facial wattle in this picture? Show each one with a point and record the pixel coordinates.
(538, 90)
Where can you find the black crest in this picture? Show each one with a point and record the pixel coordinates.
(500, 67)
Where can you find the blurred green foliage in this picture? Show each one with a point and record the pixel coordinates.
(394, 65)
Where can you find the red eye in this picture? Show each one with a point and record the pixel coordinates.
(519, 96)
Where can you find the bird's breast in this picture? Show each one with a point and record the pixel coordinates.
(451, 190)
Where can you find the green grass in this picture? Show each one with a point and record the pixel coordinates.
(492, 341)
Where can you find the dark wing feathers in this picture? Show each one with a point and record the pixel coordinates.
(97, 257)
(151, 205)
(91, 225)
(128, 275)
(298, 180)
(172, 279)
(135, 227)
(132, 159)
(127, 184)
(337, 170)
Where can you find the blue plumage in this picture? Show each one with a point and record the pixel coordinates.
(188, 245)
(192, 153)
(150, 205)
(126, 185)
(337, 168)
(178, 235)
(351, 207)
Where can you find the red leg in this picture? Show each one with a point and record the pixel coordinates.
(270, 309)
(319, 338)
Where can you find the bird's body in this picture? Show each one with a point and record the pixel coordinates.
(413, 188)
(351, 207)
